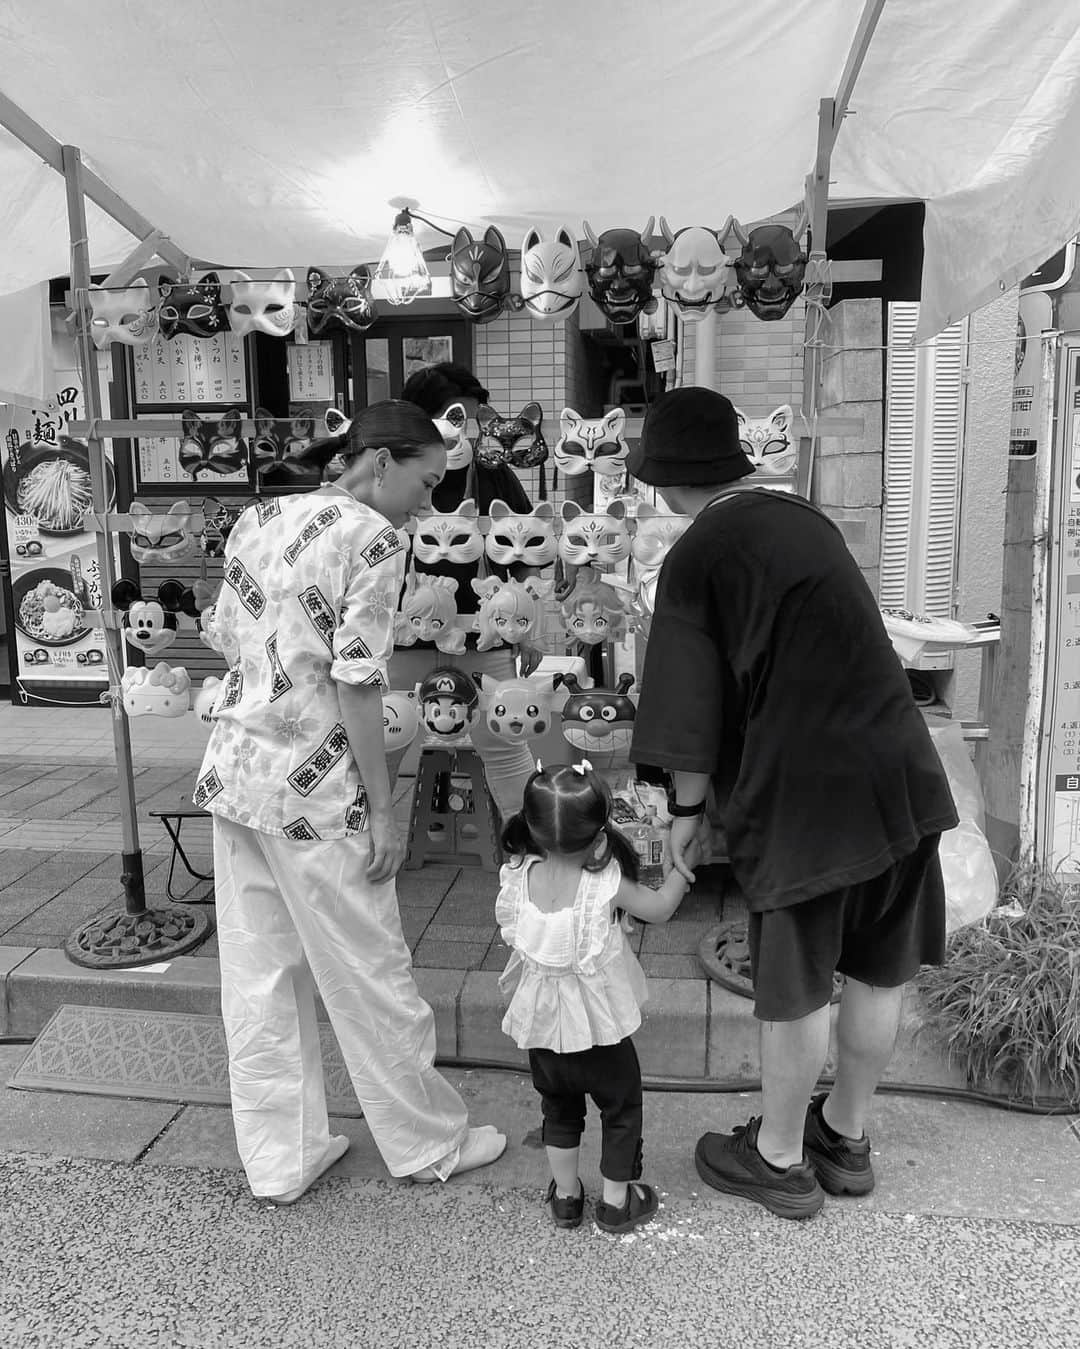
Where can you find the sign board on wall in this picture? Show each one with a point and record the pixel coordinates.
(189, 370)
(311, 372)
(53, 589)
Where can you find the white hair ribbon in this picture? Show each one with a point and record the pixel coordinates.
(583, 767)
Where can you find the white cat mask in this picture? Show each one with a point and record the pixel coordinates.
(125, 316)
(263, 306)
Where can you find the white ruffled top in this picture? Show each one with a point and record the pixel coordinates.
(573, 979)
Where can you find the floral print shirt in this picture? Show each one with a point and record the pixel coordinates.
(311, 585)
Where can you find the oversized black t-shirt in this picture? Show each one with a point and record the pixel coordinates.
(768, 666)
(489, 484)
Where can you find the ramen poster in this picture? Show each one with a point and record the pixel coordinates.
(55, 591)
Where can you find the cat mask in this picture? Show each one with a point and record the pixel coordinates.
(655, 533)
(767, 441)
(588, 539)
(591, 443)
(279, 442)
(452, 426)
(212, 447)
(263, 306)
(480, 274)
(528, 539)
(696, 275)
(161, 538)
(340, 301)
(449, 536)
(511, 440)
(552, 282)
(620, 272)
(194, 308)
(771, 269)
(125, 316)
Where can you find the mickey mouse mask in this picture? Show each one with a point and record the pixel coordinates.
(480, 274)
(263, 306)
(340, 301)
(194, 308)
(123, 315)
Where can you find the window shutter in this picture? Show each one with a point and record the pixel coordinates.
(924, 414)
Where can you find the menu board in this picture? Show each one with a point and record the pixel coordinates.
(190, 370)
(311, 372)
(53, 596)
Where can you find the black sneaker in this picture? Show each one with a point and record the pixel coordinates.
(732, 1164)
(566, 1212)
(841, 1164)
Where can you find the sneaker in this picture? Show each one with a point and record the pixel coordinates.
(842, 1165)
(642, 1203)
(732, 1164)
(566, 1212)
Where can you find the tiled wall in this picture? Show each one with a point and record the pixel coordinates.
(758, 364)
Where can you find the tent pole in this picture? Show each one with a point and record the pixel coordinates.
(141, 934)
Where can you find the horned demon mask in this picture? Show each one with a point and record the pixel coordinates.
(620, 272)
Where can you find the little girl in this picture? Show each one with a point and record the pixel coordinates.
(577, 986)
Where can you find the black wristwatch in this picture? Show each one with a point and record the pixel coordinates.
(685, 812)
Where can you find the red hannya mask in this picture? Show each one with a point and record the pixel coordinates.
(770, 270)
(480, 274)
(620, 272)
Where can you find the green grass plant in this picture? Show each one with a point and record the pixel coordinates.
(1006, 1004)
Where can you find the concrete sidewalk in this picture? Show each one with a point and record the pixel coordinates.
(60, 866)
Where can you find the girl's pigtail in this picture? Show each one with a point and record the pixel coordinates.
(623, 851)
(517, 840)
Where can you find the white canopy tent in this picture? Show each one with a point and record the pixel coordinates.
(252, 133)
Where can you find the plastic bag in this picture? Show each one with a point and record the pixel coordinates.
(967, 864)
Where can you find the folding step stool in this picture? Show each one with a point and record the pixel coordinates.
(454, 818)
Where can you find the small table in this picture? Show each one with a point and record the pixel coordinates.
(173, 820)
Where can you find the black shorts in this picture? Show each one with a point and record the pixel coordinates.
(878, 932)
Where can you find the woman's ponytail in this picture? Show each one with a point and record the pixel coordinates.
(319, 453)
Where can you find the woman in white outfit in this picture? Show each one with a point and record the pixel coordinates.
(305, 844)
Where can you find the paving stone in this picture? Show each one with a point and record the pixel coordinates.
(459, 932)
(674, 938)
(671, 966)
(18, 903)
(16, 862)
(413, 924)
(479, 913)
(481, 1009)
(450, 955)
(10, 958)
(670, 1042)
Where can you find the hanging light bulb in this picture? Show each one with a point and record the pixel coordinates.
(402, 268)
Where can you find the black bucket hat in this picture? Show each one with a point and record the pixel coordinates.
(690, 438)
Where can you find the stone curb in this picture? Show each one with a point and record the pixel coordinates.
(692, 1029)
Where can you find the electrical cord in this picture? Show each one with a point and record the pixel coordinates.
(693, 1086)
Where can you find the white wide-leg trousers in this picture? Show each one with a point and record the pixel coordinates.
(292, 917)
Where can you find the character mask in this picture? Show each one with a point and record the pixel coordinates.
(593, 612)
(123, 315)
(194, 308)
(161, 538)
(279, 443)
(401, 718)
(517, 709)
(767, 442)
(771, 269)
(450, 536)
(448, 700)
(150, 626)
(620, 272)
(429, 614)
(600, 721)
(528, 539)
(263, 306)
(510, 611)
(587, 538)
(654, 535)
(591, 443)
(340, 301)
(212, 447)
(511, 440)
(696, 275)
(164, 691)
(203, 702)
(552, 282)
(452, 425)
(480, 274)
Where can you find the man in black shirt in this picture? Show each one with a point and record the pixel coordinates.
(769, 672)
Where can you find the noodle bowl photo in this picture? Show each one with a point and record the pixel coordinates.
(47, 610)
(52, 485)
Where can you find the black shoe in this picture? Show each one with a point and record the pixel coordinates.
(841, 1164)
(732, 1164)
(641, 1205)
(566, 1212)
